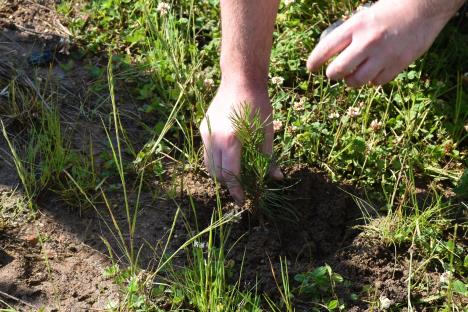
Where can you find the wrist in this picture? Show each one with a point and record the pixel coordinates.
(247, 81)
(244, 75)
(440, 9)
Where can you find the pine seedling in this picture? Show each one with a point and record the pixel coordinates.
(255, 167)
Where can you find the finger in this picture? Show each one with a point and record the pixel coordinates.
(365, 73)
(332, 44)
(276, 173)
(384, 77)
(347, 62)
(231, 163)
(213, 161)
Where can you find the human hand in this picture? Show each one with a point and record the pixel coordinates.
(222, 152)
(378, 42)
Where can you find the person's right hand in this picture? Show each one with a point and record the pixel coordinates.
(222, 149)
(377, 43)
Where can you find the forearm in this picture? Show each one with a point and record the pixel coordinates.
(247, 34)
(443, 8)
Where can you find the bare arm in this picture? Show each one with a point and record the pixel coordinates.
(247, 31)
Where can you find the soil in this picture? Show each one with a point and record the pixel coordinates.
(55, 257)
(325, 234)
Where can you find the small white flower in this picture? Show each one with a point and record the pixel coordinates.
(292, 129)
(277, 80)
(334, 115)
(466, 127)
(288, 2)
(201, 245)
(385, 303)
(163, 8)
(376, 125)
(445, 277)
(208, 83)
(277, 125)
(354, 112)
(299, 106)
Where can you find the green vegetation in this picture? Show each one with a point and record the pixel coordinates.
(392, 143)
(255, 169)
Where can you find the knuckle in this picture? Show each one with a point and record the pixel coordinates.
(229, 139)
(336, 71)
(376, 36)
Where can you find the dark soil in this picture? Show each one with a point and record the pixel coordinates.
(325, 234)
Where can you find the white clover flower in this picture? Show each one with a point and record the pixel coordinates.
(385, 303)
(208, 83)
(292, 129)
(299, 106)
(277, 80)
(288, 2)
(277, 125)
(445, 277)
(376, 125)
(334, 115)
(354, 112)
(201, 245)
(163, 8)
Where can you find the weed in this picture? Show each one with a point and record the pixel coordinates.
(284, 290)
(319, 285)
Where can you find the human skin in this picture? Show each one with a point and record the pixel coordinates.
(377, 43)
(373, 46)
(247, 28)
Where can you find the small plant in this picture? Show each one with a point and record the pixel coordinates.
(319, 285)
(256, 165)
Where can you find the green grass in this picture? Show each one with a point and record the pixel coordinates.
(384, 141)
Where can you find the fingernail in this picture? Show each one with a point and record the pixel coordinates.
(238, 197)
(277, 174)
